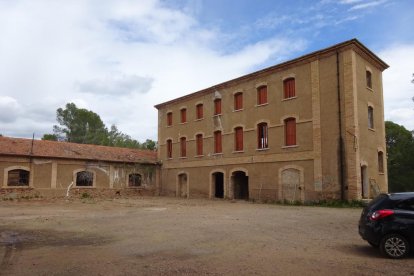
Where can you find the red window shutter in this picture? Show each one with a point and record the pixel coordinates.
(199, 139)
(199, 112)
(217, 106)
(217, 142)
(290, 131)
(262, 95)
(289, 88)
(183, 115)
(169, 149)
(169, 119)
(238, 101)
(238, 139)
(183, 147)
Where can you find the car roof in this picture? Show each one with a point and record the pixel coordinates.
(397, 196)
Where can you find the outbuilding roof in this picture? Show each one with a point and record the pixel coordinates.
(53, 149)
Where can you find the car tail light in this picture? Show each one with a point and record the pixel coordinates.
(381, 214)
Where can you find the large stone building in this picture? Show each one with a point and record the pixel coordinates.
(307, 129)
(47, 168)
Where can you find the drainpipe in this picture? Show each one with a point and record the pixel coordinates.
(341, 160)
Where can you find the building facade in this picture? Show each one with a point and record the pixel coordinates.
(308, 129)
(48, 168)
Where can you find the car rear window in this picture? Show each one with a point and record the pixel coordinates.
(378, 202)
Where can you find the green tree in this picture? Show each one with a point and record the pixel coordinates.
(400, 161)
(149, 144)
(79, 125)
(83, 126)
(50, 137)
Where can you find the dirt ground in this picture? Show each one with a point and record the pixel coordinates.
(168, 236)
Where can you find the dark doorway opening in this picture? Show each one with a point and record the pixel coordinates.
(218, 185)
(240, 185)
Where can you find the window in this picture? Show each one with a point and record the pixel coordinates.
(370, 117)
(217, 106)
(217, 142)
(18, 178)
(84, 179)
(290, 132)
(169, 119)
(183, 148)
(134, 180)
(289, 88)
(199, 143)
(183, 113)
(238, 139)
(238, 101)
(169, 148)
(369, 79)
(380, 162)
(262, 142)
(262, 95)
(199, 111)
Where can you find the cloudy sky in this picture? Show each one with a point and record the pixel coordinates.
(120, 58)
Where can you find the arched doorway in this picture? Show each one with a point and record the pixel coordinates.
(240, 184)
(182, 185)
(218, 185)
(291, 188)
(364, 182)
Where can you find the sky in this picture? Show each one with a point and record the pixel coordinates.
(120, 58)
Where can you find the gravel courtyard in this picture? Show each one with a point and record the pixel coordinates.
(168, 236)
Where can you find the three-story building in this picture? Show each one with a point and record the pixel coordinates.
(307, 129)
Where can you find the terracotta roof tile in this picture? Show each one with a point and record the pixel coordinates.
(22, 147)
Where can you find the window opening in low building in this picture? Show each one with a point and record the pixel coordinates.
(84, 179)
(134, 180)
(18, 178)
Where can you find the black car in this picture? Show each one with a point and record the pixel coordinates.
(387, 222)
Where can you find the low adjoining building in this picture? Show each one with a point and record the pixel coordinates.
(34, 167)
(307, 129)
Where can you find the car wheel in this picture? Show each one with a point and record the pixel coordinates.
(394, 246)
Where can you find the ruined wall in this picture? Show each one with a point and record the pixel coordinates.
(52, 177)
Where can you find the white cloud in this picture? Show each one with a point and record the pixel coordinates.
(366, 5)
(398, 89)
(117, 84)
(10, 109)
(52, 53)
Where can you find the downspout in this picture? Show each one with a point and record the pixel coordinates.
(341, 140)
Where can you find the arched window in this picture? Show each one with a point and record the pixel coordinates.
(380, 162)
(370, 117)
(262, 95)
(183, 147)
(199, 144)
(84, 179)
(199, 111)
(262, 139)
(217, 142)
(368, 75)
(238, 101)
(217, 106)
(290, 132)
(18, 178)
(183, 113)
(134, 180)
(289, 88)
(169, 118)
(169, 148)
(238, 139)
